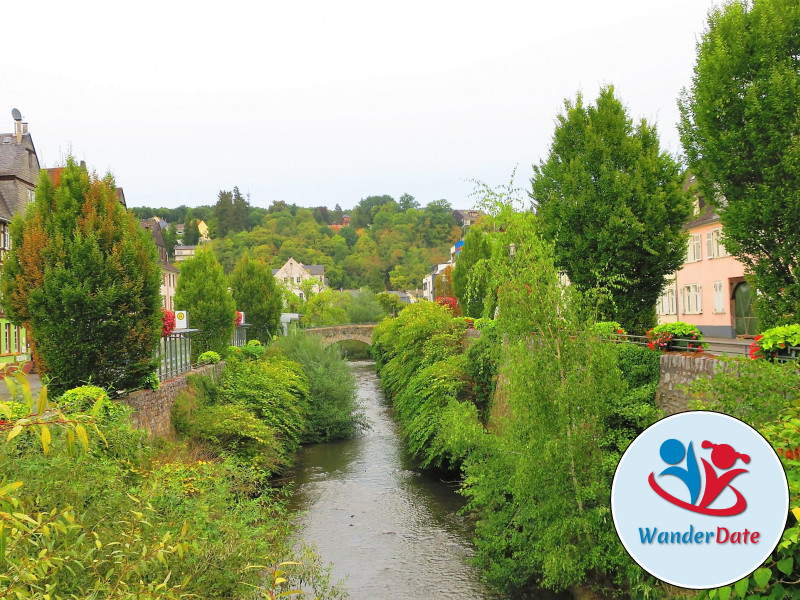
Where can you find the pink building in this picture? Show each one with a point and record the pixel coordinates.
(709, 291)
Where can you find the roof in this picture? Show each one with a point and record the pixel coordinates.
(463, 213)
(314, 269)
(706, 214)
(14, 156)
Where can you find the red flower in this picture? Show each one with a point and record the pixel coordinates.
(167, 322)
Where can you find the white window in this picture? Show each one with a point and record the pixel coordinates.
(695, 252)
(300, 294)
(299, 279)
(285, 280)
(31, 195)
(719, 298)
(692, 297)
(666, 303)
(714, 247)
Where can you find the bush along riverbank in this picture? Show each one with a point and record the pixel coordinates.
(537, 455)
(90, 508)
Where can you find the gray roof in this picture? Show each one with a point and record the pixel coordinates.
(315, 269)
(275, 271)
(14, 157)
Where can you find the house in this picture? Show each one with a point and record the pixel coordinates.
(429, 281)
(19, 173)
(337, 226)
(709, 290)
(169, 274)
(184, 252)
(292, 274)
(467, 218)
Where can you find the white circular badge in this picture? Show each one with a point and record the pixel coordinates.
(699, 500)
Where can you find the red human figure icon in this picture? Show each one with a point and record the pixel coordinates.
(724, 457)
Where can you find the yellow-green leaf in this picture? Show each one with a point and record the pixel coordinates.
(14, 432)
(725, 592)
(98, 404)
(81, 433)
(5, 410)
(12, 386)
(41, 407)
(10, 487)
(45, 438)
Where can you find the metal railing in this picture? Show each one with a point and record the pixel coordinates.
(714, 347)
(175, 354)
(240, 335)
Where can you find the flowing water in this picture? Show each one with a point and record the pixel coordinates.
(391, 530)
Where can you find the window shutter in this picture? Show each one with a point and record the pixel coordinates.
(710, 244)
(699, 298)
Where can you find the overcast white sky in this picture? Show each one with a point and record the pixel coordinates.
(322, 102)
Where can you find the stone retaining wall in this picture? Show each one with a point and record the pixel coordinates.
(681, 370)
(152, 408)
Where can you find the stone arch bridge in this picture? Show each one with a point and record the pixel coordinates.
(340, 333)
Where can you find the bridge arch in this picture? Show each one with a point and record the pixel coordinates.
(340, 333)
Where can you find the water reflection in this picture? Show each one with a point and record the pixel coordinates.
(392, 531)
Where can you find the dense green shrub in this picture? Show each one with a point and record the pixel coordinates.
(275, 389)
(767, 396)
(252, 350)
(483, 362)
(227, 428)
(399, 345)
(333, 411)
(208, 358)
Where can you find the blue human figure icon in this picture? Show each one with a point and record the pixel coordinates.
(672, 453)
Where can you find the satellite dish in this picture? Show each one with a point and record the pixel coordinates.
(16, 114)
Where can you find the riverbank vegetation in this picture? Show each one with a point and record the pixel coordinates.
(537, 456)
(536, 414)
(114, 514)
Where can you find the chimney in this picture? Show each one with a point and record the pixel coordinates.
(18, 125)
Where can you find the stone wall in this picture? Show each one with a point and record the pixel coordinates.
(152, 408)
(681, 370)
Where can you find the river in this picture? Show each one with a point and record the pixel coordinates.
(390, 529)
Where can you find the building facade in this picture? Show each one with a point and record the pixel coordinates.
(709, 290)
(292, 274)
(169, 274)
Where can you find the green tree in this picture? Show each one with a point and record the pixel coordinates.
(407, 201)
(191, 234)
(471, 297)
(223, 213)
(256, 295)
(83, 278)
(739, 127)
(612, 203)
(203, 293)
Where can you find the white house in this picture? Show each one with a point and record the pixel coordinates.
(293, 273)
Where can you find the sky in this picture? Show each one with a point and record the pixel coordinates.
(319, 102)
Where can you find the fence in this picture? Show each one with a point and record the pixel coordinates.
(716, 347)
(175, 354)
(240, 335)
